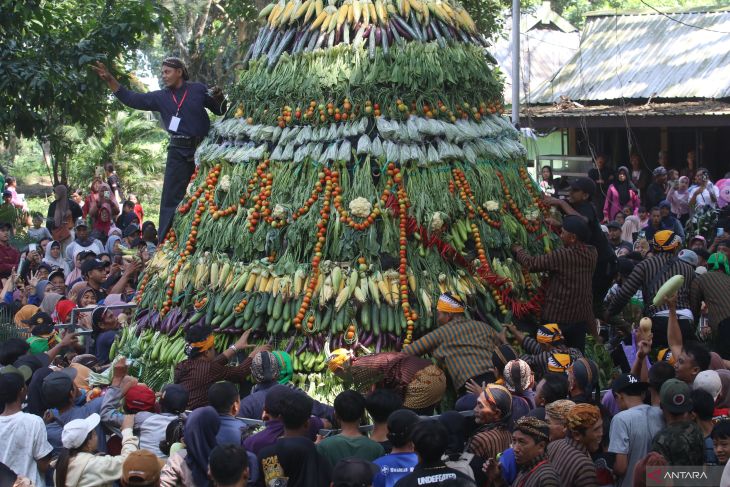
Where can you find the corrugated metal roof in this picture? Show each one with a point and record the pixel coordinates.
(707, 108)
(645, 56)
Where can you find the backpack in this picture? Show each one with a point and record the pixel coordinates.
(461, 464)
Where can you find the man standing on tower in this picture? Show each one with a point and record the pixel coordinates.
(182, 107)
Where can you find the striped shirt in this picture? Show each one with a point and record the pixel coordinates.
(488, 443)
(390, 370)
(713, 288)
(197, 375)
(572, 462)
(537, 358)
(464, 346)
(569, 295)
(538, 473)
(648, 276)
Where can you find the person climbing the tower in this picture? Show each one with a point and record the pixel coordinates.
(182, 107)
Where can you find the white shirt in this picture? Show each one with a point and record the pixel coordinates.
(25, 440)
(75, 248)
(705, 198)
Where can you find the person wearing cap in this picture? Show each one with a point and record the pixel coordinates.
(350, 442)
(571, 456)
(9, 256)
(568, 297)
(27, 451)
(141, 468)
(430, 441)
(669, 222)
(43, 334)
(713, 289)
(681, 441)
(229, 466)
(492, 414)
(84, 241)
(633, 428)
(182, 107)
(462, 345)
(657, 189)
(620, 194)
(619, 246)
(79, 465)
(548, 340)
(579, 204)
(529, 442)
(95, 272)
(402, 459)
(205, 366)
(648, 276)
(420, 383)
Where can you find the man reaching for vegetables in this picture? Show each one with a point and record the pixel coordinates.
(182, 108)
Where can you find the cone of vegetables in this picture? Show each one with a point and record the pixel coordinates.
(364, 168)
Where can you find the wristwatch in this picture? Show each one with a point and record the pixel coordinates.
(233, 347)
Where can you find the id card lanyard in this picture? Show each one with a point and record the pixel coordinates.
(175, 121)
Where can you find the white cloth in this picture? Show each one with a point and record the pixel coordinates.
(87, 470)
(74, 248)
(61, 263)
(705, 198)
(25, 441)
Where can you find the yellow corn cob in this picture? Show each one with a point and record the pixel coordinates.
(426, 12)
(412, 281)
(276, 12)
(416, 5)
(284, 17)
(336, 277)
(374, 291)
(381, 11)
(301, 10)
(365, 13)
(327, 290)
(311, 9)
(266, 11)
(251, 280)
(269, 285)
(319, 20)
(320, 282)
(332, 22)
(384, 289)
(263, 280)
(276, 288)
(391, 9)
(341, 15)
(299, 280)
(318, 6)
(350, 12)
(342, 298)
(395, 291)
(356, 11)
(373, 12)
(359, 296)
(426, 300)
(363, 285)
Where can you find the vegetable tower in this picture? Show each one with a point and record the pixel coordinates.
(363, 169)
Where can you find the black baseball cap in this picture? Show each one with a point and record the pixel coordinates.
(174, 398)
(92, 264)
(577, 226)
(584, 184)
(57, 386)
(354, 472)
(401, 423)
(628, 383)
(130, 229)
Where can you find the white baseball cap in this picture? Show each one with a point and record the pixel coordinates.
(75, 432)
(708, 380)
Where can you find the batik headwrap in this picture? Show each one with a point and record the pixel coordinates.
(582, 416)
(549, 333)
(559, 362)
(529, 425)
(449, 304)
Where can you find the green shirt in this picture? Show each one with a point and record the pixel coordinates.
(681, 444)
(337, 447)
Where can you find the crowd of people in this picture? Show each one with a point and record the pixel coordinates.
(463, 405)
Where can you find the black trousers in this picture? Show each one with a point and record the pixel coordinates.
(659, 331)
(722, 340)
(178, 170)
(574, 334)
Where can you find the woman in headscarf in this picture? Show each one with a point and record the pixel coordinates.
(73, 277)
(24, 314)
(621, 193)
(492, 414)
(630, 229)
(40, 292)
(190, 466)
(54, 258)
(102, 211)
(50, 300)
(112, 244)
(62, 213)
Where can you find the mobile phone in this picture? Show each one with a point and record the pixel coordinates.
(720, 231)
(106, 194)
(32, 247)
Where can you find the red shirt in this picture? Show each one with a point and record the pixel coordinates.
(9, 258)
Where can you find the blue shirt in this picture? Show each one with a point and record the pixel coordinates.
(55, 428)
(230, 433)
(393, 467)
(194, 121)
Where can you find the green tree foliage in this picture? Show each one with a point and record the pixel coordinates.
(46, 47)
(131, 140)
